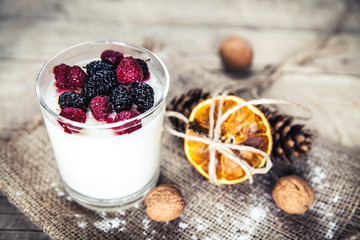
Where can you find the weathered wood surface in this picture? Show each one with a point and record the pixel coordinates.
(15, 225)
(327, 80)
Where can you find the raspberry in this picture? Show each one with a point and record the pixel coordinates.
(101, 83)
(125, 115)
(76, 78)
(127, 127)
(144, 67)
(100, 107)
(61, 72)
(112, 57)
(96, 66)
(143, 96)
(129, 71)
(74, 114)
(69, 77)
(72, 99)
(121, 99)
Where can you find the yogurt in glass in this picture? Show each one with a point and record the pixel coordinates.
(101, 169)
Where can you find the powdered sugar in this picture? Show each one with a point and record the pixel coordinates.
(82, 224)
(331, 229)
(102, 214)
(213, 237)
(109, 224)
(194, 237)
(336, 199)
(323, 209)
(136, 205)
(146, 223)
(201, 225)
(183, 225)
(57, 189)
(219, 216)
(330, 214)
(59, 192)
(319, 175)
(220, 206)
(257, 214)
(121, 212)
(247, 226)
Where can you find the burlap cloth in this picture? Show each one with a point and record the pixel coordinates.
(29, 178)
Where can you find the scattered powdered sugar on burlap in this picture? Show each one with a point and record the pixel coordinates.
(82, 224)
(109, 224)
(29, 178)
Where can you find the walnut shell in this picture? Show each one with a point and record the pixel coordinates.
(236, 53)
(164, 203)
(293, 195)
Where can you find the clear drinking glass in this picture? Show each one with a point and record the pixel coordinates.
(105, 166)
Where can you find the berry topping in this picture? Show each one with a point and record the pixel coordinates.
(61, 72)
(101, 83)
(144, 67)
(69, 77)
(125, 115)
(101, 89)
(72, 99)
(143, 96)
(127, 127)
(111, 57)
(121, 99)
(129, 71)
(100, 107)
(74, 114)
(76, 78)
(96, 66)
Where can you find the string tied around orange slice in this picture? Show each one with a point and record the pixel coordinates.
(216, 145)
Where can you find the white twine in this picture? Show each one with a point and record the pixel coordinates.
(213, 140)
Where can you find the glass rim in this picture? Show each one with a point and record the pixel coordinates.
(103, 125)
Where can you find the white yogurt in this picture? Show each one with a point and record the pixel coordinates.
(102, 165)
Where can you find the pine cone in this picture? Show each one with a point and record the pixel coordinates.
(184, 104)
(290, 141)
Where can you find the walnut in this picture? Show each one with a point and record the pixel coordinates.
(236, 53)
(293, 195)
(164, 203)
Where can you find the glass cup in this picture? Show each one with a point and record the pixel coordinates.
(105, 166)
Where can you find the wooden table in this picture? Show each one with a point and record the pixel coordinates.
(315, 44)
(15, 225)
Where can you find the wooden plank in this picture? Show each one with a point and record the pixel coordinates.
(339, 56)
(15, 226)
(284, 13)
(23, 235)
(17, 222)
(7, 208)
(196, 43)
(352, 21)
(19, 104)
(189, 41)
(333, 99)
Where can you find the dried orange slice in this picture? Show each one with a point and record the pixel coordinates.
(247, 126)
